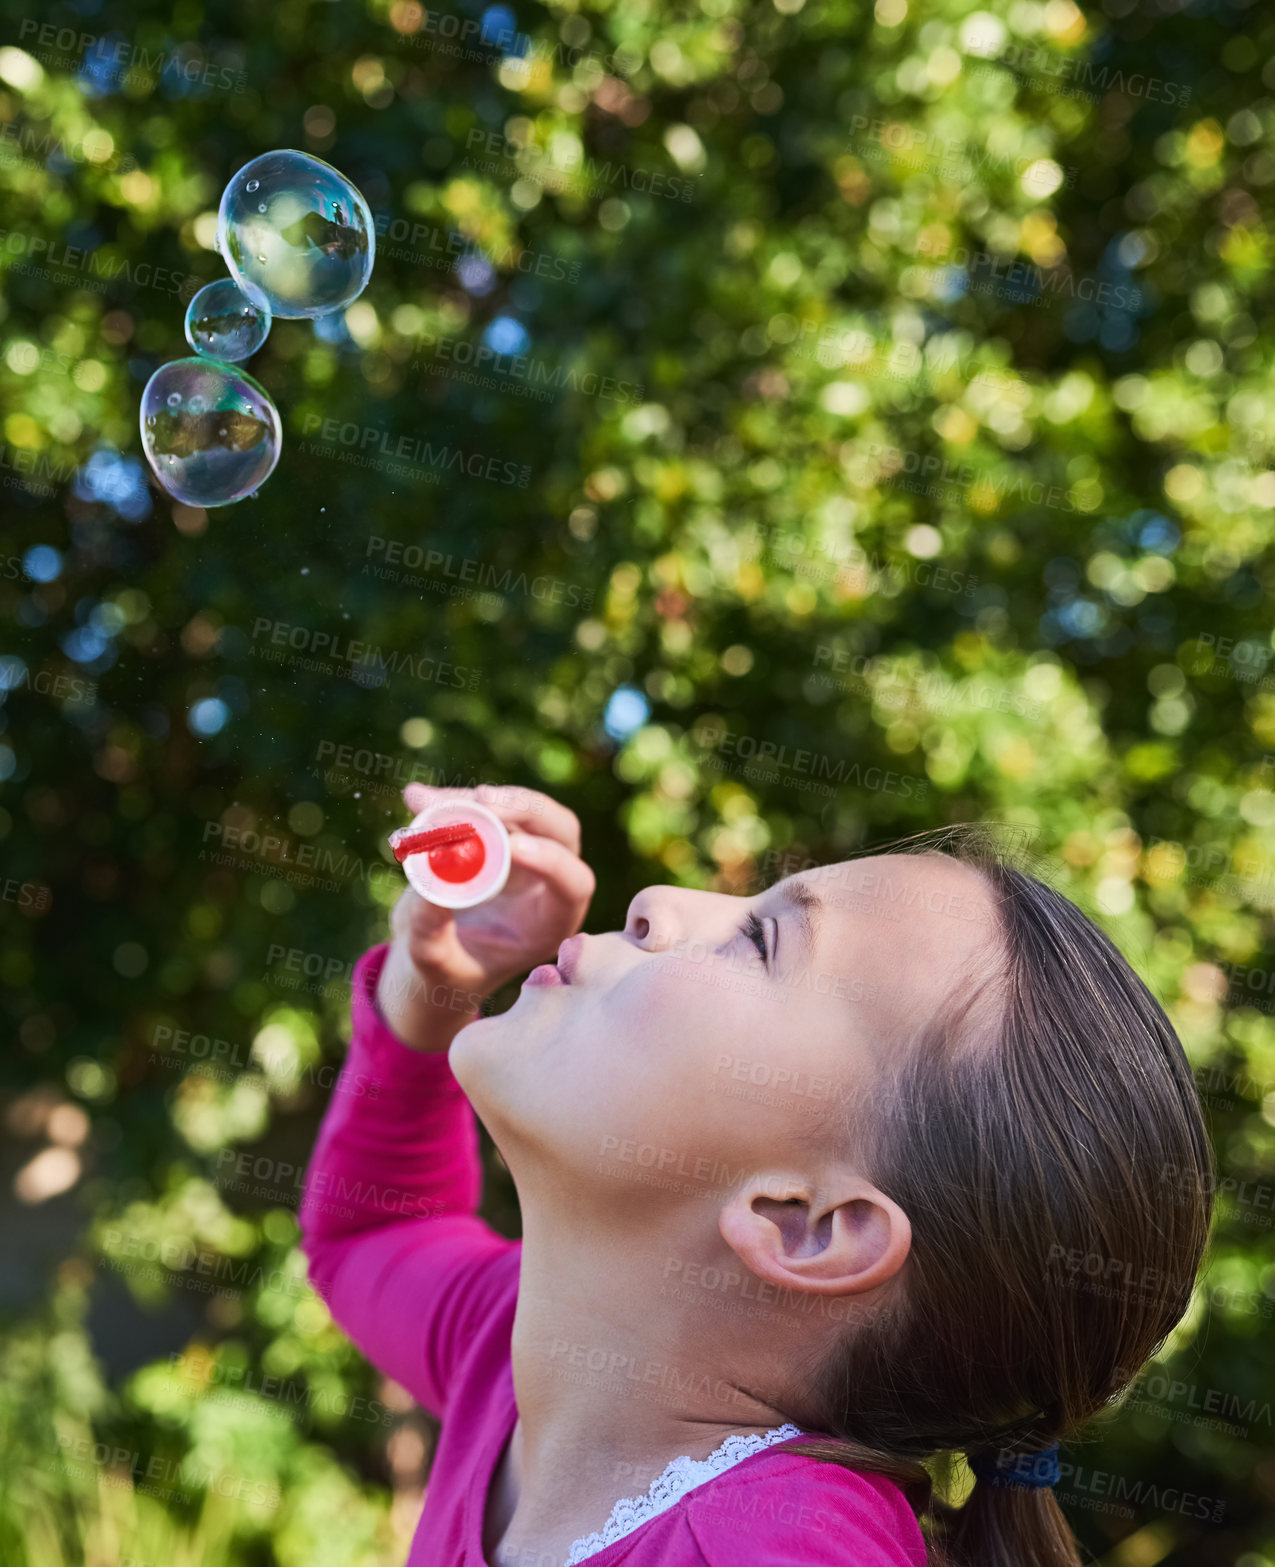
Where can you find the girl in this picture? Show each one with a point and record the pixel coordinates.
(890, 1161)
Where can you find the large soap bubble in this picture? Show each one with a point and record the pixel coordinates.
(296, 235)
(223, 323)
(209, 431)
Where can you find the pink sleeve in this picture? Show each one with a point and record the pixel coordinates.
(388, 1222)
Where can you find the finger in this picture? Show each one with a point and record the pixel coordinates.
(415, 916)
(566, 878)
(527, 810)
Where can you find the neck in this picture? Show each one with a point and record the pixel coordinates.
(616, 1371)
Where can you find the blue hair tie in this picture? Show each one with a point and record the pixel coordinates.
(1036, 1471)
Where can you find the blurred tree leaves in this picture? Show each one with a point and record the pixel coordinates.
(884, 388)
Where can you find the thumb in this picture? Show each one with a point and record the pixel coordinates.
(417, 919)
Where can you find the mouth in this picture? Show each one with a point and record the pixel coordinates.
(562, 972)
(545, 974)
(569, 958)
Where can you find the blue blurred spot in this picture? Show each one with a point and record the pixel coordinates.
(951, 283)
(8, 762)
(1080, 618)
(208, 717)
(100, 72)
(504, 335)
(86, 645)
(1159, 535)
(500, 29)
(117, 481)
(42, 563)
(476, 274)
(1080, 323)
(12, 671)
(331, 328)
(626, 711)
(1117, 334)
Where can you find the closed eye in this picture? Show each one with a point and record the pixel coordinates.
(756, 933)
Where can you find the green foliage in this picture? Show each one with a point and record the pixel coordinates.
(896, 415)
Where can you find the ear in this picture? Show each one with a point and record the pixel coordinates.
(844, 1240)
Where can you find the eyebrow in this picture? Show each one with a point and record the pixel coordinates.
(807, 906)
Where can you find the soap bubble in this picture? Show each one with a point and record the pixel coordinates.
(210, 432)
(296, 235)
(223, 323)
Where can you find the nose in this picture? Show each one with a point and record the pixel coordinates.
(660, 916)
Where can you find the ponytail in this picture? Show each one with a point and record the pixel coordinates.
(1002, 1526)
(1002, 1523)
(1023, 1131)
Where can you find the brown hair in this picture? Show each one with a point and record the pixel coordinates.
(1027, 1134)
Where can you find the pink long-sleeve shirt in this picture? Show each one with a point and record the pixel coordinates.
(426, 1289)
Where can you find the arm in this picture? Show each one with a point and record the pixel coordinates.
(388, 1221)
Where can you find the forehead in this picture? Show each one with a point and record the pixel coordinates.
(917, 921)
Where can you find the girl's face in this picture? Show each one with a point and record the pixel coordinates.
(717, 1038)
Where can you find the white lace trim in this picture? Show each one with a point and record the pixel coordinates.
(681, 1476)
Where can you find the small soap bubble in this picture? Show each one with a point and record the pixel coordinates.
(222, 322)
(223, 451)
(307, 245)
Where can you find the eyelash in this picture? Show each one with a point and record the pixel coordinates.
(756, 933)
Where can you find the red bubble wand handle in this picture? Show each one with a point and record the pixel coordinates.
(405, 843)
